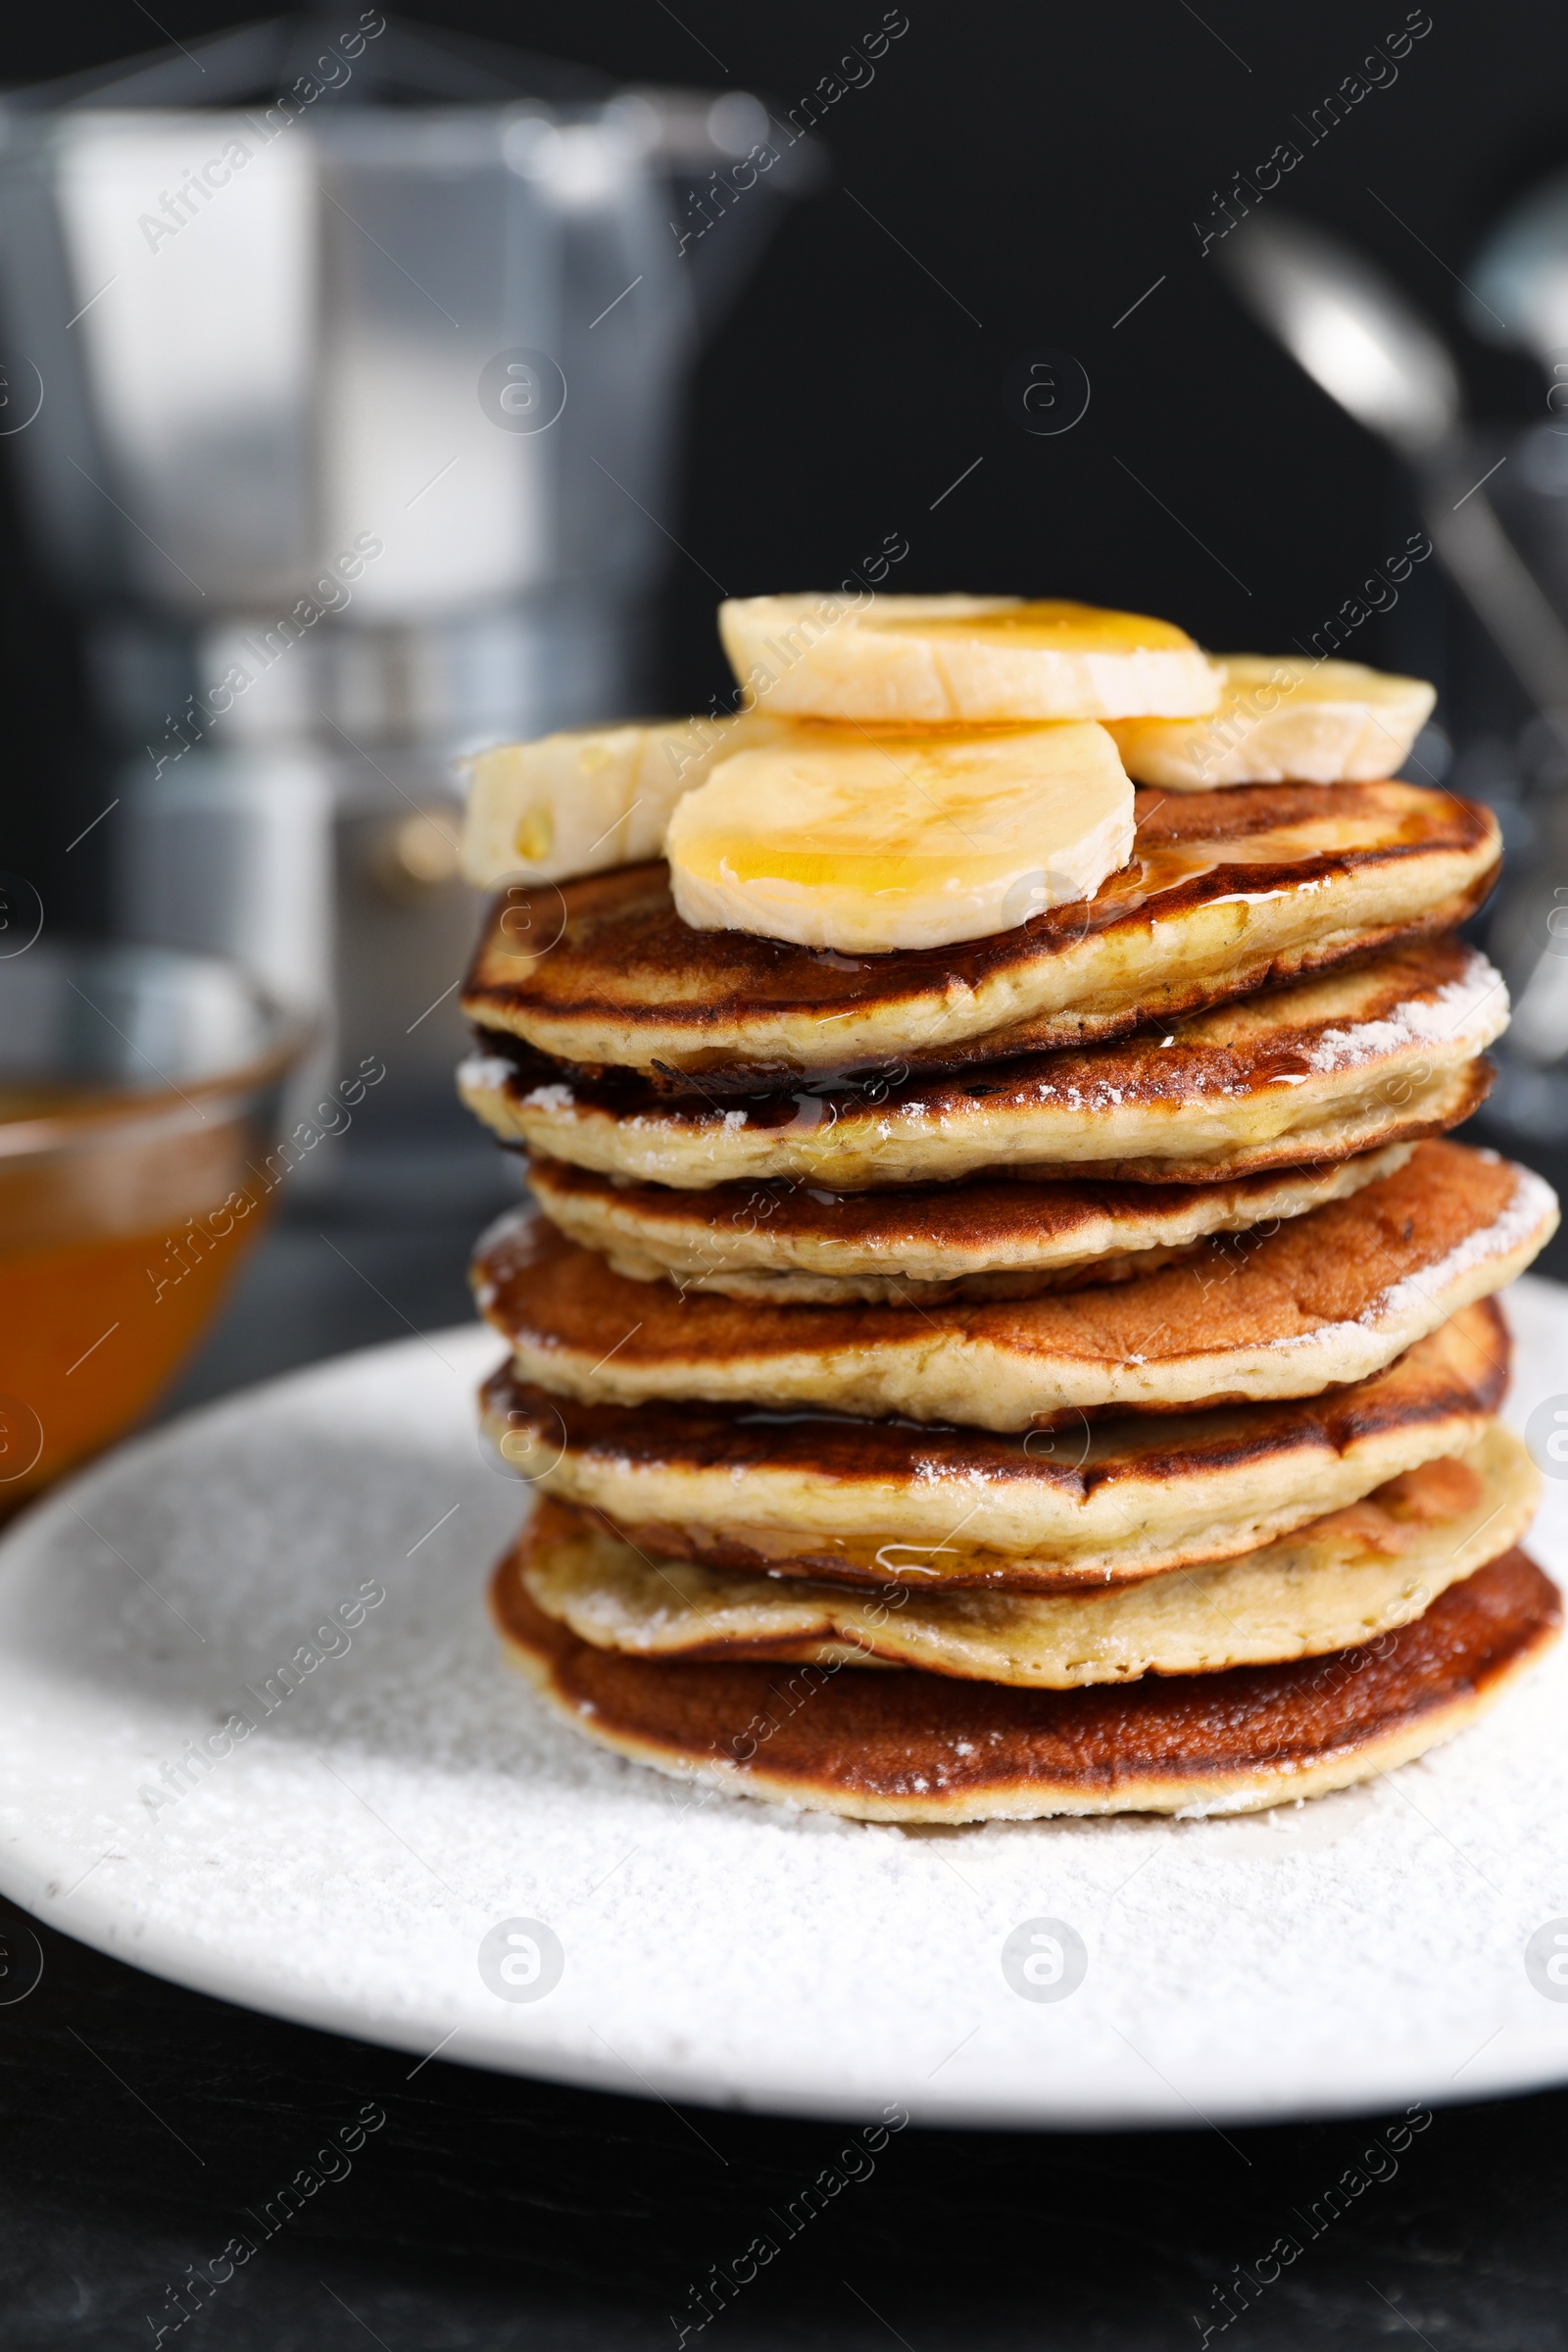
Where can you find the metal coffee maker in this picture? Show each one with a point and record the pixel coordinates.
(343, 366)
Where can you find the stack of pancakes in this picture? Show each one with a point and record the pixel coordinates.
(1055, 1372)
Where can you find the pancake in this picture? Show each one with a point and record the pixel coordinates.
(985, 1239)
(1226, 892)
(1320, 1070)
(1337, 1582)
(908, 1746)
(1325, 1299)
(886, 1503)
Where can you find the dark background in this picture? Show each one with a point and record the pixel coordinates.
(1042, 168)
(1032, 172)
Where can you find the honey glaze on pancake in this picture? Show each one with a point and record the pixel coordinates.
(840, 1448)
(1320, 1069)
(1434, 987)
(622, 963)
(903, 1742)
(1340, 1581)
(881, 1503)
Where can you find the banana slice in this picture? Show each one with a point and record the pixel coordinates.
(593, 798)
(836, 837)
(932, 660)
(1283, 721)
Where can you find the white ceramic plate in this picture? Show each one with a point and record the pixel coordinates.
(344, 1863)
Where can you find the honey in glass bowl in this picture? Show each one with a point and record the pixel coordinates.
(139, 1097)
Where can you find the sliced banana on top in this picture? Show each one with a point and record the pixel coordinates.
(936, 660)
(1282, 720)
(842, 837)
(592, 797)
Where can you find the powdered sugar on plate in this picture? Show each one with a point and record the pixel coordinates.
(400, 1795)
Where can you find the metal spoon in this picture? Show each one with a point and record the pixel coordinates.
(1357, 337)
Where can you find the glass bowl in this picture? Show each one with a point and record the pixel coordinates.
(139, 1100)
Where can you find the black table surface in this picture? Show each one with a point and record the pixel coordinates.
(141, 2122)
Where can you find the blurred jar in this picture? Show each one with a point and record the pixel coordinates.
(139, 1161)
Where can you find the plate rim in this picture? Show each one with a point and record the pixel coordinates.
(98, 1919)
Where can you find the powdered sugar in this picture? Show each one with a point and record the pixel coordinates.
(1463, 1015)
(1414, 1298)
(343, 1865)
(1532, 1204)
(485, 1073)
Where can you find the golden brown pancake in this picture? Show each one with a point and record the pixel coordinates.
(1325, 1299)
(882, 1502)
(908, 1746)
(1227, 892)
(1323, 1069)
(1337, 1582)
(986, 1239)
